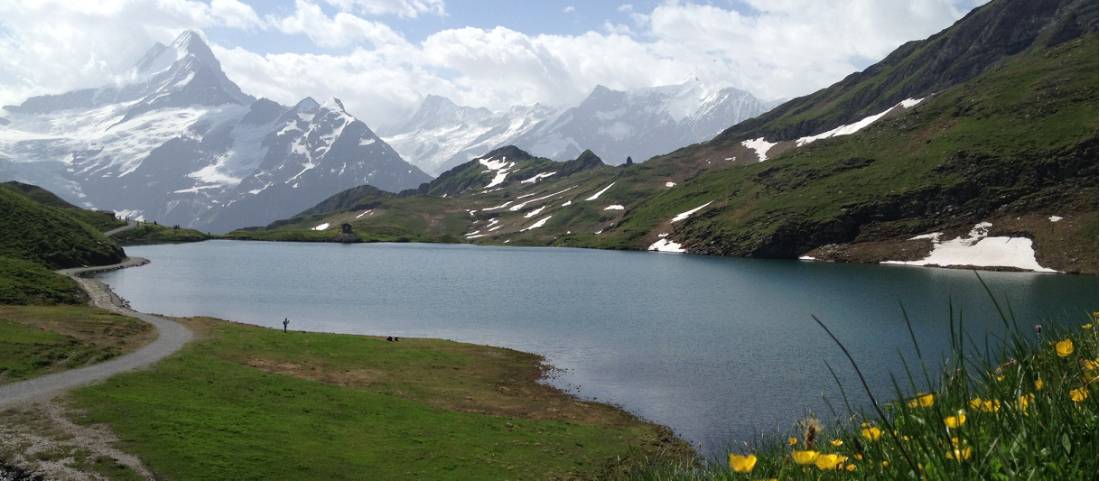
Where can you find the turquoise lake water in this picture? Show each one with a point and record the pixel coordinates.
(718, 349)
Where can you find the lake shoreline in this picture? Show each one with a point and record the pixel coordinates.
(884, 261)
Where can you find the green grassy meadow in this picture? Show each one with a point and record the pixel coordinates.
(253, 403)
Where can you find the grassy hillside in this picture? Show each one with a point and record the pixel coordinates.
(1017, 141)
(50, 235)
(100, 220)
(146, 233)
(330, 407)
(25, 282)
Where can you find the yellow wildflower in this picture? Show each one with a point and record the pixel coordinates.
(1087, 327)
(828, 462)
(1038, 384)
(1089, 364)
(886, 464)
(999, 377)
(1024, 401)
(1064, 347)
(804, 457)
(837, 442)
(850, 467)
(956, 420)
(1078, 394)
(858, 456)
(925, 400)
(742, 464)
(872, 433)
(985, 405)
(959, 454)
(792, 441)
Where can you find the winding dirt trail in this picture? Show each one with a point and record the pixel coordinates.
(171, 336)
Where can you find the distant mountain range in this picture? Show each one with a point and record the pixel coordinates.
(181, 144)
(613, 124)
(974, 147)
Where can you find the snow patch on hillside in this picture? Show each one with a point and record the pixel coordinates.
(684, 215)
(666, 245)
(598, 194)
(979, 250)
(760, 146)
(539, 223)
(849, 129)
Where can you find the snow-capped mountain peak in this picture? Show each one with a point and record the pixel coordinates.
(182, 144)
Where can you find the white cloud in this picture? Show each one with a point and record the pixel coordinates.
(569, 9)
(401, 8)
(782, 48)
(340, 30)
(50, 46)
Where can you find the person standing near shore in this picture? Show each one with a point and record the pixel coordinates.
(286, 322)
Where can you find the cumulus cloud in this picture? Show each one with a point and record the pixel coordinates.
(340, 30)
(50, 46)
(773, 48)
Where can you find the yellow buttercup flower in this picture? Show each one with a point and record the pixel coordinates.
(792, 441)
(956, 420)
(850, 467)
(925, 400)
(1089, 364)
(999, 377)
(742, 464)
(1038, 384)
(1079, 394)
(872, 433)
(1024, 401)
(1064, 347)
(828, 462)
(985, 405)
(837, 442)
(804, 457)
(858, 456)
(959, 454)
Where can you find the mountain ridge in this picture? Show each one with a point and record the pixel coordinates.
(182, 144)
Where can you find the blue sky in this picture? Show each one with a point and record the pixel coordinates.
(382, 57)
(532, 17)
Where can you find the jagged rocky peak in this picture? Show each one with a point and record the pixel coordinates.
(510, 152)
(262, 111)
(585, 161)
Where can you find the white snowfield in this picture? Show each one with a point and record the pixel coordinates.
(321, 226)
(521, 205)
(500, 168)
(760, 146)
(598, 194)
(537, 177)
(539, 223)
(1054, 218)
(684, 215)
(534, 212)
(614, 207)
(979, 250)
(666, 245)
(849, 129)
(670, 184)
